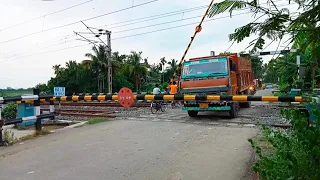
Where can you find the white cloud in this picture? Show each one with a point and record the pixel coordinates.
(20, 66)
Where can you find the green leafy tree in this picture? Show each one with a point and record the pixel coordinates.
(302, 28)
(136, 68)
(75, 77)
(99, 65)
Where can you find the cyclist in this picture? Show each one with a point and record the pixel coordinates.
(156, 90)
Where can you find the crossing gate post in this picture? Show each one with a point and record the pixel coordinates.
(2, 142)
(37, 110)
(51, 111)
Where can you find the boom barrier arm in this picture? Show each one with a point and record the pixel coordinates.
(178, 97)
(198, 29)
(185, 98)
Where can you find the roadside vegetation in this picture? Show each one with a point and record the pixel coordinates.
(128, 70)
(10, 138)
(293, 153)
(97, 120)
(275, 23)
(290, 154)
(9, 112)
(14, 92)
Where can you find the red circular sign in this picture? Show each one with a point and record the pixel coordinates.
(198, 28)
(125, 97)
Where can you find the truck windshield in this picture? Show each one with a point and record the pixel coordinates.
(205, 68)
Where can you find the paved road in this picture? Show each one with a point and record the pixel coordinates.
(166, 146)
(127, 149)
(265, 92)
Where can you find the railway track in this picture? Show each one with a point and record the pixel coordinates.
(98, 104)
(83, 113)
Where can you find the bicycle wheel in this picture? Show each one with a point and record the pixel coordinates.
(153, 108)
(173, 104)
(163, 106)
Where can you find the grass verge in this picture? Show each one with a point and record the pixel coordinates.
(266, 147)
(97, 120)
(10, 138)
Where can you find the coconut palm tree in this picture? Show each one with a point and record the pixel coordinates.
(99, 64)
(57, 69)
(136, 68)
(117, 62)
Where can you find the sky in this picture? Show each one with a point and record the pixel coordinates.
(36, 35)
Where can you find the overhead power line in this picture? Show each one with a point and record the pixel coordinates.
(52, 45)
(145, 19)
(136, 21)
(150, 18)
(174, 27)
(38, 45)
(30, 20)
(76, 22)
(70, 47)
(149, 32)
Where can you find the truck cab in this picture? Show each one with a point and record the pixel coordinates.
(216, 75)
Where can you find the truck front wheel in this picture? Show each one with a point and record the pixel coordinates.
(233, 112)
(193, 113)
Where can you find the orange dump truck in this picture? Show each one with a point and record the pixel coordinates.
(217, 75)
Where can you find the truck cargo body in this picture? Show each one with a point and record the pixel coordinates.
(216, 75)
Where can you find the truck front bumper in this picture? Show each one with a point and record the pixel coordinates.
(208, 107)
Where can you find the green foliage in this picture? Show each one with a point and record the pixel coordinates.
(14, 92)
(296, 152)
(97, 120)
(135, 68)
(43, 88)
(9, 137)
(9, 112)
(303, 30)
(75, 77)
(89, 76)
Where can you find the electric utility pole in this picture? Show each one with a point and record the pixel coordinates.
(109, 56)
(108, 53)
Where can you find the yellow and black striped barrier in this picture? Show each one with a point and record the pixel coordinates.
(239, 98)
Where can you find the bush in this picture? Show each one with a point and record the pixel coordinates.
(8, 136)
(9, 112)
(296, 152)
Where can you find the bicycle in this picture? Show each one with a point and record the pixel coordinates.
(175, 104)
(157, 106)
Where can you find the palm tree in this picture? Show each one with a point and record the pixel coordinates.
(163, 61)
(136, 68)
(86, 64)
(117, 62)
(170, 70)
(57, 69)
(99, 64)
